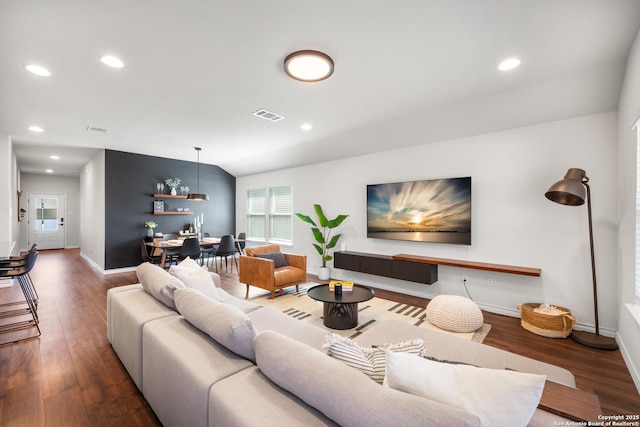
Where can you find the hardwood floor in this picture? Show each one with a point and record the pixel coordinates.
(70, 376)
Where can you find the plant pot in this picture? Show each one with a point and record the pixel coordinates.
(324, 273)
(173, 191)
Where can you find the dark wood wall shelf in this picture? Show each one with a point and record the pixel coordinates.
(169, 196)
(171, 213)
(500, 268)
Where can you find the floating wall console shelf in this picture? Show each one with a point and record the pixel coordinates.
(500, 268)
(386, 266)
(416, 268)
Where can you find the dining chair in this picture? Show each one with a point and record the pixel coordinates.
(190, 248)
(227, 248)
(172, 253)
(242, 236)
(146, 257)
(209, 252)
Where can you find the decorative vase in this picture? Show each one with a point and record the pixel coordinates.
(324, 273)
(149, 232)
(173, 191)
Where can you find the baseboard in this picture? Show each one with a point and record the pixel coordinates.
(628, 360)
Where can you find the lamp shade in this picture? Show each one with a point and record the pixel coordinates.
(571, 190)
(197, 196)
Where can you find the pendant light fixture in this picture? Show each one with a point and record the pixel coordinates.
(198, 196)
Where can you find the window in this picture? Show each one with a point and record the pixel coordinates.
(272, 224)
(280, 214)
(256, 214)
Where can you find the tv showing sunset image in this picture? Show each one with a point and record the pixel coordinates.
(435, 211)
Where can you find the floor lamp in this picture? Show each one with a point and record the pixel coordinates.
(573, 190)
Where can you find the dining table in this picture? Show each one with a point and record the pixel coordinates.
(205, 242)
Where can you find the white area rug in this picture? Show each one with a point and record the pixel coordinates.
(302, 307)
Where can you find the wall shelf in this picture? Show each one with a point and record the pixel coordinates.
(171, 213)
(169, 196)
(500, 268)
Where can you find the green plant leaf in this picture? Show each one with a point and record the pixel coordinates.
(306, 218)
(318, 248)
(334, 241)
(318, 235)
(324, 222)
(336, 222)
(328, 258)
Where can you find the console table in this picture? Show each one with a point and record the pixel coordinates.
(416, 268)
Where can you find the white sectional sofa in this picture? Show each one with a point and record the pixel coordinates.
(282, 376)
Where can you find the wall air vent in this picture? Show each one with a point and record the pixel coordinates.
(268, 115)
(95, 129)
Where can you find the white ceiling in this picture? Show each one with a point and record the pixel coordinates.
(196, 71)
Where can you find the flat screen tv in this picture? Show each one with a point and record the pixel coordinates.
(434, 211)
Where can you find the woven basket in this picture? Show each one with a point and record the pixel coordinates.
(550, 326)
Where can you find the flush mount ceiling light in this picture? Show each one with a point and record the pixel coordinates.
(306, 126)
(509, 64)
(112, 61)
(54, 157)
(36, 129)
(308, 65)
(198, 196)
(38, 70)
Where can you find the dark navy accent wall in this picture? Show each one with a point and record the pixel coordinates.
(130, 181)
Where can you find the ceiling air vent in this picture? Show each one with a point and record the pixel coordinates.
(95, 129)
(268, 115)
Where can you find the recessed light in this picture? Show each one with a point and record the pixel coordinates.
(38, 70)
(49, 171)
(306, 126)
(308, 65)
(509, 64)
(37, 129)
(112, 61)
(54, 157)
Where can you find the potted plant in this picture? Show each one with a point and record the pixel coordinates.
(322, 234)
(172, 183)
(150, 225)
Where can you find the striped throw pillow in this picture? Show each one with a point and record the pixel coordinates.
(368, 360)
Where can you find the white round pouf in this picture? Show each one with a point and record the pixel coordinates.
(454, 313)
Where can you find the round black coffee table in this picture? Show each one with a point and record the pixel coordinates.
(341, 311)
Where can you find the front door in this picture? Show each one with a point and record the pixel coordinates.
(46, 220)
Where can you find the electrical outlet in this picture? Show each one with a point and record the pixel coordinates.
(490, 282)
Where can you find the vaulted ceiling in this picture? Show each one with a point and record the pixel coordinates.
(196, 70)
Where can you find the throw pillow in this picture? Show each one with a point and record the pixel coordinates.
(158, 283)
(197, 277)
(497, 397)
(344, 394)
(278, 258)
(370, 361)
(226, 324)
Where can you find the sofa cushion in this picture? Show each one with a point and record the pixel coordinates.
(343, 394)
(277, 257)
(368, 360)
(158, 283)
(269, 405)
(192, 275)
(288, 274)
(497, 397)
(224, 323)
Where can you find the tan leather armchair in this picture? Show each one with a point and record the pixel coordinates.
(261, 272)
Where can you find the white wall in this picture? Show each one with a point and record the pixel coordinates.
(51, 184)
(7, 190)
(92, 211)
(513, 223)
(629, 113)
